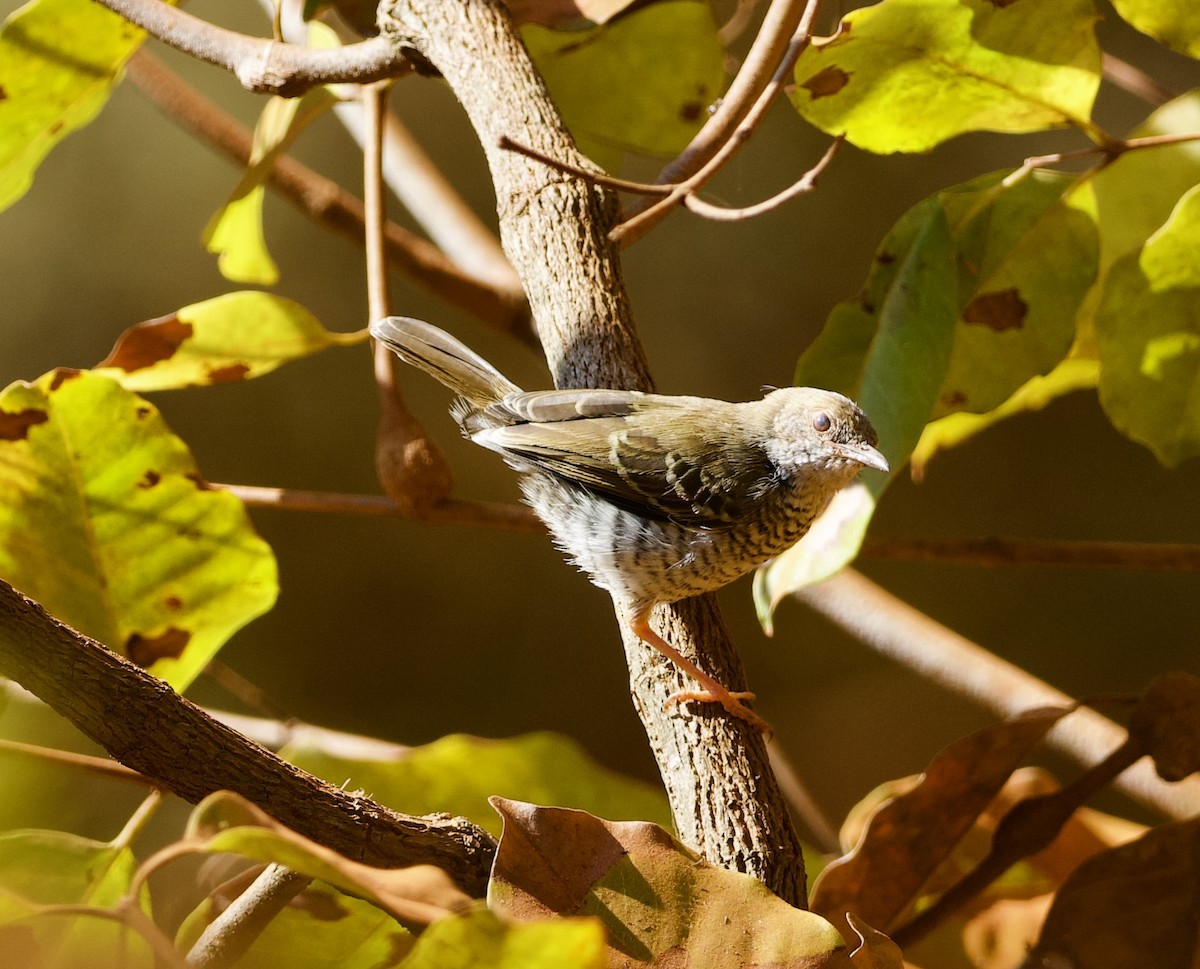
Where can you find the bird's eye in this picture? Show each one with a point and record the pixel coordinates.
(821, 422)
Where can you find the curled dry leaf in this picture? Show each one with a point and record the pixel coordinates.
(1167, 724)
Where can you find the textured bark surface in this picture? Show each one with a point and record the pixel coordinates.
(554, 229)
(145, 725)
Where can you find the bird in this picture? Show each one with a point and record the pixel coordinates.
(656, 497)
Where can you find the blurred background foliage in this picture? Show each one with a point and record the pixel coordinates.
(411, 632)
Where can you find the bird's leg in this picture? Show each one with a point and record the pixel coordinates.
(713, 692)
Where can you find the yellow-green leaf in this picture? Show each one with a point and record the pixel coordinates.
(1175, 23)
(641, 83)
(228, 338)
(235, 232)
(458, 774)
(105, 520)
(905, 75)
(41, 868)
(480, 940)
(1148, 333)
(59, 59)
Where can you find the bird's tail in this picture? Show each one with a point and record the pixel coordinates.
(446, 359)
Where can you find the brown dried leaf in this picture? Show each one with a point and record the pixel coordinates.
(1131, 907)
(660, 904)
(875, 950)
(1167, 724)
(909, 837)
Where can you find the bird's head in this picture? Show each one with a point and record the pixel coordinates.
(820, 429)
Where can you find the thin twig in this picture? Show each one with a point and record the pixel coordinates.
(453, 511)
(261, 65)
(86, 762)
(803, 803)
(595, 177)
(905, 634)
(805, 184)
(1039, 551)
(1134, 80)
(639, 223)
(231, 933)
(374, 102)
(324, 201)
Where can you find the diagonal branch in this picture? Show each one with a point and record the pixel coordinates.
(265, 66)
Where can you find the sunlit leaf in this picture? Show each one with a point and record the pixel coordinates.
(59, 60)
(228, 338)
(235, 232)
(458, 774)
(319, 929)
(480, 940)
(642, 83)
(1148, 333)
(659, 902)
(905, 75)
(227, 822)
(105, 520)
(1175, 23)
(40, 868)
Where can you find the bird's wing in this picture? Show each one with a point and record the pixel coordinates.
(657, 465)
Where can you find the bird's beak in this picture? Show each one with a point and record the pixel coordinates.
(865, 455)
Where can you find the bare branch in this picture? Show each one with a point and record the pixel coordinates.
(1038, 551)
(226, 939)
(67, 758)
(326, 202)
(1134, 80)
(905, 634)
(192, 755)
(265, 66)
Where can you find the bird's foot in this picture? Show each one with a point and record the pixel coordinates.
(734, 702)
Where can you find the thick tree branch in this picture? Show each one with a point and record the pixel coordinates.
(554, 229)
(148, 727)
(266, 66)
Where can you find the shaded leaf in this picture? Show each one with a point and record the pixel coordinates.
(457, 774)
(1175, 23)
(231, 337)
(320, 928)
(1167, 725)
(1134, 906)
(419, 894)
(909, 837)
(905, 75)
(39, 868)
(105, 520)
(59, 61)
(642, 83)
(659, 902)
(888, 348)
(480, 940)
(875, 950)
(1148, 335)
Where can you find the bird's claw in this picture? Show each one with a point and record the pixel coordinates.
(732, 700)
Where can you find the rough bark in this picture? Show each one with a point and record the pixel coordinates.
(554, 229)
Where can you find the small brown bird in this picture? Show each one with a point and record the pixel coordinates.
(657, 498)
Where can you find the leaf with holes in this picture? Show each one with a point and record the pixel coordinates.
(105, 520)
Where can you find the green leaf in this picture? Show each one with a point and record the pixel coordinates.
(418, 894)
(457, 774)
(231, 337)
(641, 83)
(1175, 23)
(906, 75)
(661, 904)
(888, 348)
(59, 60)
(1148, 333)
(480, 940)
(40, 868)
(105, 520)
(1027, 255)
(235, 232)
(320, 929)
